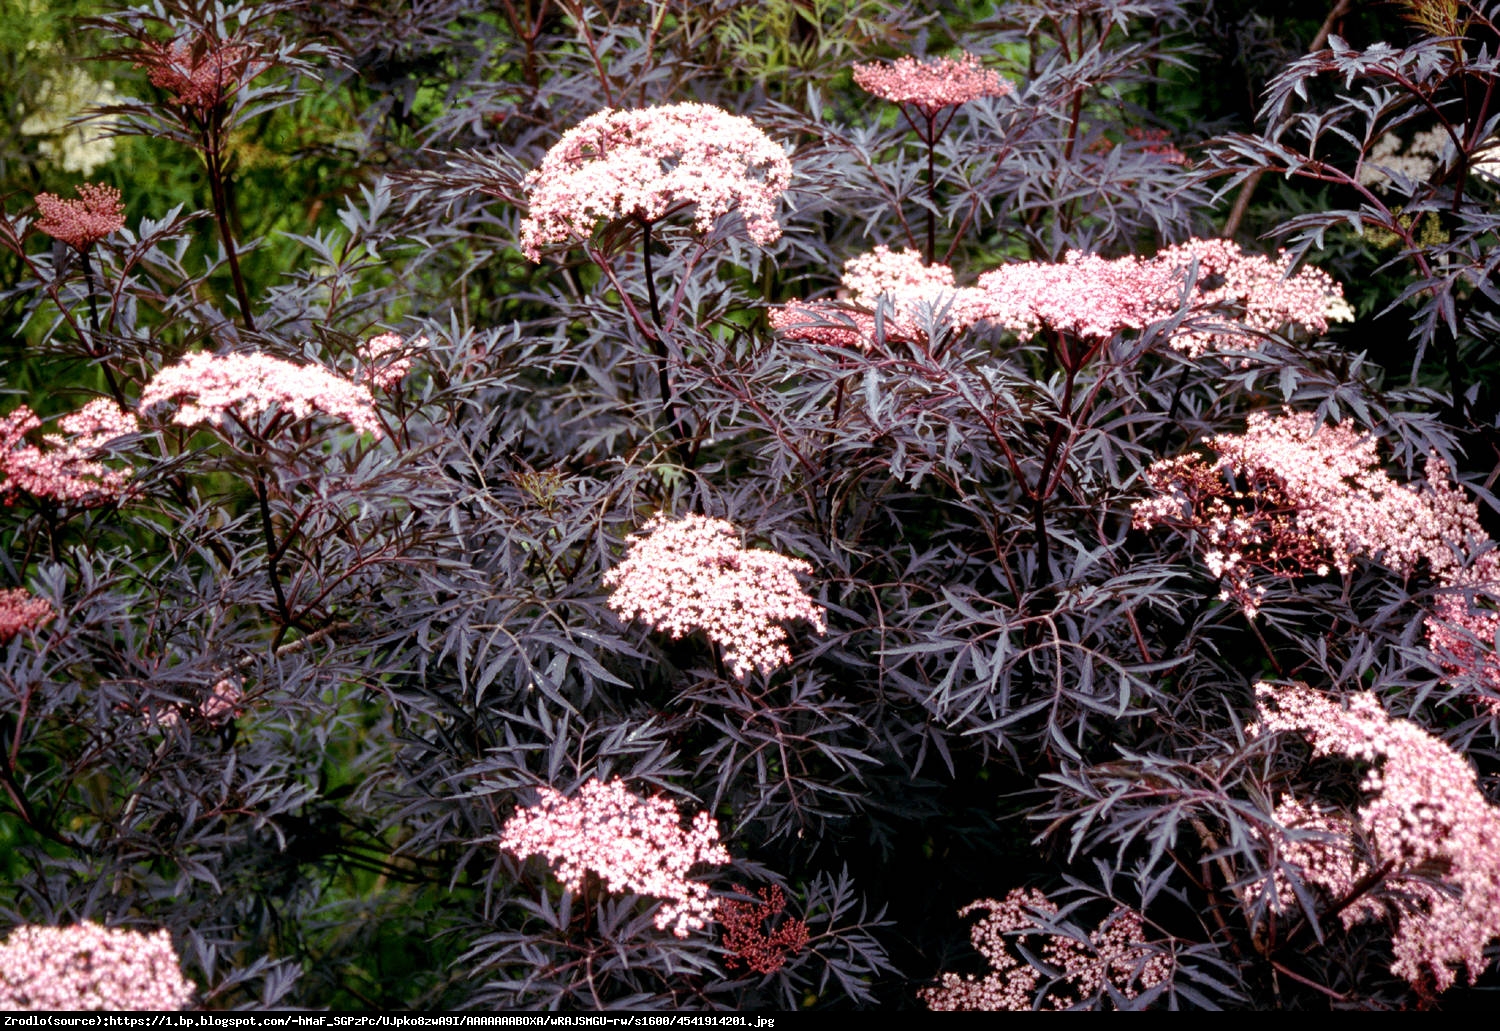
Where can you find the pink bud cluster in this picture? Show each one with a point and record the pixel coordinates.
(199, 75)
(66, 468)
(96, 213)
(1307, 497)
(213, 386)
(691, 574)
(651, 163)
(89, 967)
(933, 84)
(1231, 298)
(20, 610)
(1423, 815)
(1112, 955)
(1159, 143)
(385, 359)
(746, 939)
(631, 843)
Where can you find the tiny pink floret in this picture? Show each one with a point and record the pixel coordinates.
(651, 163)
(691, 574)
(632, 844)
(210, 387)
(90, 967)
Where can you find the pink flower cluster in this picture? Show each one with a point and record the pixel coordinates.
(691, 574)
(96, 213)
(213, 386)
(933, 84)
(632, 844)
(66, 468)
(745, 936)
(385, 359)
(89, 967)
(1249, 295)
(651, 163)
(199, 75)
(1113, 955)
(1158, 142)
(1462, 632)
(20, 610)
(1423, 814)
(1232, 299)
(1308, 497)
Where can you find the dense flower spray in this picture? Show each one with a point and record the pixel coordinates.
(632, 844)
(1426, 821)
(66, 468)
(746, 937)
(1112, 955)
(89, 967)
(199, 74)
(213, 386)
(96, 213)
(1305, 498)
(1462, 629)
(650, 163)
(1232, 298)
(933, 84)
(691, 574)
(20, 610)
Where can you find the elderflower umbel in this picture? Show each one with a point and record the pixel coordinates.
(933, 84)
(199, 75)
(96, 213)
(1424, 815)
(650, 163)
(1233, 298)
(20, 610)
(631, 843)
(211, 386)
(1112, 955)
(90, 967)
(1308, 497)
(691, 574)
(66, 469)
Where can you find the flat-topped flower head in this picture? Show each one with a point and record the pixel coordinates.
(933, 84)
(20, 611)
(691, 574)
(67, 467)
(210, 387)
(1426, 820)
(89, 967)
(199, 75)
(631, 843)
(651, 163)
(96, 213)
(1113, 958)
(1306, 498)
